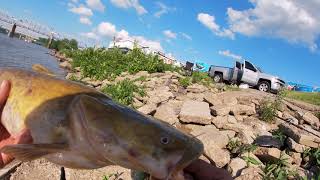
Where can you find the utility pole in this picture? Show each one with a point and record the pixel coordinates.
(50, 41)
(13, 30)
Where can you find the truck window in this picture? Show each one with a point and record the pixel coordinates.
(250, 66)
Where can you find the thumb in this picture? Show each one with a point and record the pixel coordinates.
(4, 92)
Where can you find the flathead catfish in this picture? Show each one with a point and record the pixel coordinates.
(78, 127)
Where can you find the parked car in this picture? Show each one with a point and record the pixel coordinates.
(246, 73)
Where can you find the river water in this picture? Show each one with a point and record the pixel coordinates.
(18, 53)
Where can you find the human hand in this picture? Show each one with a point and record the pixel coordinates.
(5, 138)
(200, 169)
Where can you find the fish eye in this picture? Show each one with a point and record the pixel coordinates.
(164, 140)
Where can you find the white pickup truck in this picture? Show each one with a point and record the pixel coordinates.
(246, 73)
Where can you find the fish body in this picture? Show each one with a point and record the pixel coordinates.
(78, 127)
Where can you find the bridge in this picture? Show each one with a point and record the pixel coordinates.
(26, 27)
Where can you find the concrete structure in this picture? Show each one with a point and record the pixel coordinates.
(13, 30)
(166, 59)
(127, 45)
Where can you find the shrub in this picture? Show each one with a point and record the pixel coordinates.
(233, 145)
(314, 156)
(201, 78)
(107, 64)
(185, 82)
(248, 148)
(268, 111)
(123, 91)
(276, 170)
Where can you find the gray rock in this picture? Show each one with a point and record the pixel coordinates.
(236, 165)
(195, 112)
(243, 110)
(66, 65)
(229, 100)
(159, 95)
(214, 143)
(220, 110)
(166, 113)
(231, 119)
(195, 96)
(148, 109)
(219, 121)
(196, 88)
(300, 136)
(267, 154)
(212, 99)
(311, 119)
(250, 173)
(294, 146)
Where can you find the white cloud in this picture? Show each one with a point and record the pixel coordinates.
(90, 35)
(126, 4)
(186, 36)
(74, 1)
(96, 5)
(81, 10)
(292, 20)
(154, 45)
(230, 54)
(164, 9)
(209, 21)
(85, 20)
(169, 34)
(106, 29)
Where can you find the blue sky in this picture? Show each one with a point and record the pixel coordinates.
(282, 37)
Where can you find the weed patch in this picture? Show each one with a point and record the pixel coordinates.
(268, 109)
(233, 145)
(123, 91)
(107, 64)
(314, 156)
(278, 134)
(201, 78)
(277, 170)
(185, 82)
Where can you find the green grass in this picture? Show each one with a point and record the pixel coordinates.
(312, 98)
(277, 170)
(201, 78)
(107, 64)
(268, 111)
(123, 91)
(185, 82)
(278, 134)
(233, 144)
(313, 154)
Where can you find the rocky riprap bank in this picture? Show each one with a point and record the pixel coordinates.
(227, 122)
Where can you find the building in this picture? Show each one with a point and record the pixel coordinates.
(166, 59)
(127, 45)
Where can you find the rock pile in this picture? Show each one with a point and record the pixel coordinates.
(227, 122)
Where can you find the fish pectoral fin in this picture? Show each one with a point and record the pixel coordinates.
(41, 69)
(28, 152)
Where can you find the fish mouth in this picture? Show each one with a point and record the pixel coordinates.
(192, 153)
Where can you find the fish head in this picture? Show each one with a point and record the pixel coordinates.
(130, 139)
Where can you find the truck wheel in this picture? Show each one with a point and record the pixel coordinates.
(264, 86)
(217, 78)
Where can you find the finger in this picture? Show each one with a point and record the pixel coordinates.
(5, 159)
(4, 92)
(24, 137)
